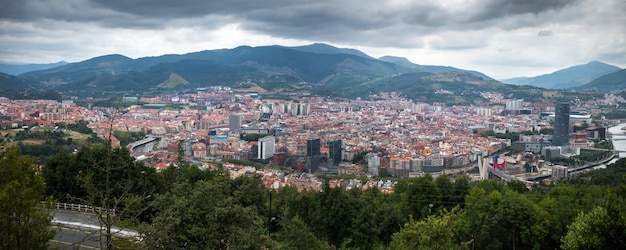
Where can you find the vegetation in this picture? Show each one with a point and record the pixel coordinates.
(252, 137)
(43, 142)
(23, 221)
(185, 207)
(126, 137)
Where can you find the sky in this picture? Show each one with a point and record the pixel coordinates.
(501, 38)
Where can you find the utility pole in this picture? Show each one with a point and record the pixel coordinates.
(143, 198)
(269, 219)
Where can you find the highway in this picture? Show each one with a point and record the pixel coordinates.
(78, 230)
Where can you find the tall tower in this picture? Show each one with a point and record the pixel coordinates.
(313, 147)
(334, 152)
(561, 125)
(266, 147)
(234, 122)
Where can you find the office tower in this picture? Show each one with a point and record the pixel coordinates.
(266, 147)
(514, 104)
(313, 147)
(234, 122)
(334, 152)
(561, 125)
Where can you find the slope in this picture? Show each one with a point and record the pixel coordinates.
(571, 77)
(608, 83)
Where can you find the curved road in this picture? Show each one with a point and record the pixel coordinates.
(76, 230)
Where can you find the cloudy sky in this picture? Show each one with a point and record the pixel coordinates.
(502, 38)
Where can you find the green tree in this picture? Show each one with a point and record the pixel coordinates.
(502, 219)
(297, 235)
(389, 221)
(434, 232)
(205, 215)
(23, 221)
(596, 230)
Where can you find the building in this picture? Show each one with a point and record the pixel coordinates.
(266, 147)
(234, 122)
(514, 105)
(313, 147)
(373, 162)
(334, 152)
(559, 172)
(561, 125)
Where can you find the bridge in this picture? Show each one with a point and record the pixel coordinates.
(486, 170)
(131, 147)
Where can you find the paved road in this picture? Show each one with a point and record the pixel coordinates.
(76, 230)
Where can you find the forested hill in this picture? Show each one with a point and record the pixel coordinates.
(318, 69)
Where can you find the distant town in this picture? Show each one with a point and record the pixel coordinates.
(299, 141)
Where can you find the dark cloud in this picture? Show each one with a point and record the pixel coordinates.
(545, 33)
(477, 28)
(494, 9)
(334, 20)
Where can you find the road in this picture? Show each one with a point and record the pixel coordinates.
(77, 230)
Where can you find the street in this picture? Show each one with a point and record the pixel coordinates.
(77, 230)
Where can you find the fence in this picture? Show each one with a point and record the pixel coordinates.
(82, 208)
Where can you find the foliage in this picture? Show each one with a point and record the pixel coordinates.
(252, 137)
(435, 232)
(613, 175)
(513, 136)
(80, 127)
(194, 208)
(126, 137)
(23, 221)
(187, 219)
(245, 163)
(597, 229)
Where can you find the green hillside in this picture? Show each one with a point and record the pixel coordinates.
(608, 83)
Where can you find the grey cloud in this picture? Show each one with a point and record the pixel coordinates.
(545, 33)
(331, 20)
(494, 9)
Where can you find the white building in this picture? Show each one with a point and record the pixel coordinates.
(266, 147)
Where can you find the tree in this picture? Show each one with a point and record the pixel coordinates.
(434, 232)
(389, 221)
(601, 228)
(23, 221)
(205, 215)
(502, 219)
(297, 235)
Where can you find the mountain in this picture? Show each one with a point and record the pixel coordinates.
(16, 69)
(319, 69)
(322, 48)
(13, 82)
(608, 83)
(430, 68)
(571, 77)
(213, 67)
(18, 88)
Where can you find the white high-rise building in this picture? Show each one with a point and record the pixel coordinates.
(266, 147)
(514, 104)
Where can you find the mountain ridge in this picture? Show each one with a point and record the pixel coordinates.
(570, 77)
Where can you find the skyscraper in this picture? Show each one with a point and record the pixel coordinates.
(561, 125)
(234, 122)
(334, 152)
(266, 147)
(313, 147)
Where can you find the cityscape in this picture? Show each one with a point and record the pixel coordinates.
(331, 125)
(319, 136)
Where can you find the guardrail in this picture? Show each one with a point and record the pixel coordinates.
(81, 208)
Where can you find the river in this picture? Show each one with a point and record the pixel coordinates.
(618, 138)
